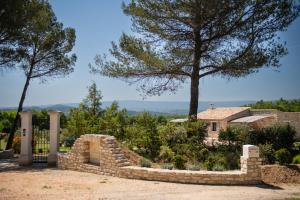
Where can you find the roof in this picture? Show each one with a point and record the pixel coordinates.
(250, 119)
(220, 113)
(179, 120)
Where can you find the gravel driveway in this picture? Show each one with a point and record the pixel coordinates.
(38, 183)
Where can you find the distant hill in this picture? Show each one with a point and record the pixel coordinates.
(154, 107)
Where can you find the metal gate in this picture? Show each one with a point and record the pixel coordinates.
(40, 140)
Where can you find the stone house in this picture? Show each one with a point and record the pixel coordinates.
(220, 118)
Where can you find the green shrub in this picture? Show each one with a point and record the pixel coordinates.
(179, 162)
(266, 152)
(283, 156)
(215, 162)
(280, 135)
(167, 166)
(231, 160)
(196, 167)
(69, 141)
(296, 159)
(209, 163)
(145, 163)
(218, 167)
(166, 154)
(203, 154)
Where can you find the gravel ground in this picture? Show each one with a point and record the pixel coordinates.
(39, 183)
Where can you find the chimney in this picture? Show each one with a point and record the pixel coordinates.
(211, 106)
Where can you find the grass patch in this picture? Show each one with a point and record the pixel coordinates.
(64, 149)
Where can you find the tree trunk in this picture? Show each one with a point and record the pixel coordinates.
(195, 77)
(194, 90)
(20, 108)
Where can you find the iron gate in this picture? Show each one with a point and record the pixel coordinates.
(40, 140)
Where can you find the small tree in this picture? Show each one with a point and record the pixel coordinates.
(45, 48)
(179, 41)
(92, 102)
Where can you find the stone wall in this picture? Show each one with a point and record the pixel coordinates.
(116, 161)
(6, 154)
(293, 118)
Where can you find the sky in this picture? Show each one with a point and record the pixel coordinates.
(97, 23)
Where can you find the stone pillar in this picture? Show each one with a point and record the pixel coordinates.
(250, 162)
(54, 137)
(26, 139)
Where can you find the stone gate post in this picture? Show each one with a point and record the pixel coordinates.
(251, 162)
(26, 138)
(54, 136)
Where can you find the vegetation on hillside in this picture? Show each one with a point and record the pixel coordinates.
(281, 104)
(168, 145)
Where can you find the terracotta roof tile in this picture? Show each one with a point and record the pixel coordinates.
(220, 113)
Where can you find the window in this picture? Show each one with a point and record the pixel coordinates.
(214, 126)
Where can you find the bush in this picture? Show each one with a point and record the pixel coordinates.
(209, 163)
(145, 163)
(196, 167)
(69, 141)
(218, 167)
(203, 154)
(231, 160)
(167, 166)
(280, 135)
(214, 162)
(266, 152)
(296, 159)
(17, 144)
(179, 162)
(283, 156)
(166, 154)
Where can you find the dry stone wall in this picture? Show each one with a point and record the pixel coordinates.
(117, 161)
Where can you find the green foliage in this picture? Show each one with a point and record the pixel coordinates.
(145, 163)
(142, 134)
(168, 166)
(281, 104)
(195, 167)
(283, 156)
(280, 135)
(174, 37)
(218, 167)
(91, 104)
(183, 139)
(13, 18)
(296, 159)
(179, 162)
(6, 120)
(114, 121)
(166, 154)
(266, 152)
(203, 154)
(16, 146)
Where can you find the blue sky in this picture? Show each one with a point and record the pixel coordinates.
(97, 23)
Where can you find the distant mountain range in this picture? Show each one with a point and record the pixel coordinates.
(134, 107)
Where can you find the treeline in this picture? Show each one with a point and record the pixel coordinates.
(281, 104)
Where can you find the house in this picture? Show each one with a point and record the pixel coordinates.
(220, 118)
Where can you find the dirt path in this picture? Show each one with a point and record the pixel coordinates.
(55, 184)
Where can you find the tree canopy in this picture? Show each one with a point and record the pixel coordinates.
(13, 18)
(281, 104)
(179, 41)
(44, 49)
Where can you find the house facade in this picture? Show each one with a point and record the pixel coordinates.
(219, 118)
